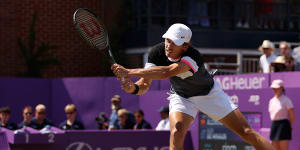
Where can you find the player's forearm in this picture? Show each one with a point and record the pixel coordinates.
(155, 73)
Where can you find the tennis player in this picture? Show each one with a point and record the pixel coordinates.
(193, 88)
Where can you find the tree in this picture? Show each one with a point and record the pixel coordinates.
(37, 58)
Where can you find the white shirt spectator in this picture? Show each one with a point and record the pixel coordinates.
(264, 62)
(163, 125)
(278, 107)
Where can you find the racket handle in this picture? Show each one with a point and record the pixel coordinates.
(123, 80)
(108, 57)
(111, 56)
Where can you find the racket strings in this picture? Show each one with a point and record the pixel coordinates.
(91, 29)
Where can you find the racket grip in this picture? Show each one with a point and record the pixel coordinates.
(123, 80)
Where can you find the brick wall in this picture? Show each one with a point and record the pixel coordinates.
(55, 26)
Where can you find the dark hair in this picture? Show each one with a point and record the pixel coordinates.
(27, 107)
(5, 110)
(279, 67)
(140, 112)
(186, 44)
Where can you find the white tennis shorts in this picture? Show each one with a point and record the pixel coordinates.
(216, 104)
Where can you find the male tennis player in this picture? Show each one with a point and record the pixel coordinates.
(193, 88)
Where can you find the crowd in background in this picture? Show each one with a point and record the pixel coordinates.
(223, 14)
(287, 59)
(120, 118)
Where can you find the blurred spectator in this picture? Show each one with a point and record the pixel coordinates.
(4, 116)
(102, 121)
(141, 123)
(278, 65)
(115, 106)
(198, 13)
(285, 50)
(164, 124)
(175, 8)
(71, 123)
(267, 58)
(243, 11)
(296, 56)
(27, 115)
(213, 12)
(282, 114)
(263, 13)
(124, 121)
(40, 119)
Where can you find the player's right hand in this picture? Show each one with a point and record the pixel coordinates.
(119, 71)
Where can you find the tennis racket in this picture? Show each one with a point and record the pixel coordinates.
(92, 30)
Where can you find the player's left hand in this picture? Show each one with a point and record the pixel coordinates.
(127, 85)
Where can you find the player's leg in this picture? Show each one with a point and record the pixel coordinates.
(284, 144)
(236, 122)
(276, 145)
(179, 125)
(182, 114)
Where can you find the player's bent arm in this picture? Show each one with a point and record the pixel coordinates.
(144, 85)
(159, 72)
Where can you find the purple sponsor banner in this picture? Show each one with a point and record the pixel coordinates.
(290, 79)
(243, 82)
(165, 85)
(9, 134)
(3, 141)
(97, 140)
(119, 140)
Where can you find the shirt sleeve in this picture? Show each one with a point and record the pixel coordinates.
(190, 62)
(260, 62)
(194, 60)
(155, 56)
(148, 65)
(158, 127)
(269, 105)
(289, 104)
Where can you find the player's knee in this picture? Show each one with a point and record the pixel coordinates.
(178, 129)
